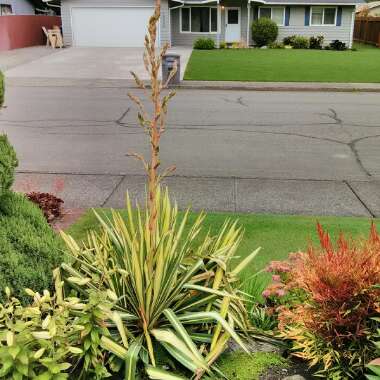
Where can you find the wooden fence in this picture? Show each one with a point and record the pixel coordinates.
(367, 30)
(22, 31)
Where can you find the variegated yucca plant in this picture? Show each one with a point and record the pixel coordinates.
(181, 294)
(173, 291)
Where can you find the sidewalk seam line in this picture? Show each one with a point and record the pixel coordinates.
(113, 191)
(235, 194)
(196, 177)
(359, 199)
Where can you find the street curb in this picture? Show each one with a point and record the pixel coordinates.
(280, 86)
(196, 85)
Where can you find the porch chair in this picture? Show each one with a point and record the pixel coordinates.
(50, 39)
(53, 37)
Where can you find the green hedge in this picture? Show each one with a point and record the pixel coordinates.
(264, 31)
(29, 248)
(204, 44)
(8, 164)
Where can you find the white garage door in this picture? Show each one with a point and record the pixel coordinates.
(110, 27)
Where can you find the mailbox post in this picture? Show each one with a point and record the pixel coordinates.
(168, 63)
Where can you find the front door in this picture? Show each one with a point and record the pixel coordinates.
(232, 21)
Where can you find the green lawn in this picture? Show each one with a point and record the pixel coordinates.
(286, 65)
(277, 235)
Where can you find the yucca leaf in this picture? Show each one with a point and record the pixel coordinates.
(180, 357)
(131, 360)
(121, 327)
(223, 312)
(178, 327)
(201, 337)
(208, 316)
(244, 263)
(205, 289)
(160, 374)
(169, 337)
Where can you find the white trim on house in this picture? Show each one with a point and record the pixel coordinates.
(323, 16)
(170, 19)
(352, 29)
(248, 21)
(190, 31)
(271, 12)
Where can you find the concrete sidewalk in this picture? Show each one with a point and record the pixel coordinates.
(241, 195)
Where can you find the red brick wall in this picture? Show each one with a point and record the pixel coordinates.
(22, 31)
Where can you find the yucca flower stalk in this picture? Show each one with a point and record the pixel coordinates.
(154, 124)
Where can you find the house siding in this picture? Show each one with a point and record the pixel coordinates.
(296, 26)
(20, 7)
(330, 33)
(185, 39)
(68, 4)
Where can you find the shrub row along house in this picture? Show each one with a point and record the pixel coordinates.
(123, 22)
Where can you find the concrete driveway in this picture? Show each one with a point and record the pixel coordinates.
(12, 58)
(88, 63)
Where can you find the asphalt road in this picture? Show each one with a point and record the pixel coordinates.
(286, 152)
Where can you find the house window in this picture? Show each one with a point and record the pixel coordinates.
(323, 16)
(5, 9)
(199, 20)
(277, 14)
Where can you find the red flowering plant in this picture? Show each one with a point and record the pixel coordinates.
(331, 326)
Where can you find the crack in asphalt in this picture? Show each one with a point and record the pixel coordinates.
(334, 116)
(119, 121)
(238, 101)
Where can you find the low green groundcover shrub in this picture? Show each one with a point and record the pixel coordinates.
(289, 40)
(241, 366)
(29, 248)
(264, 31)
(316, 42)
(300, 42)
(338, 45)
(204, 44)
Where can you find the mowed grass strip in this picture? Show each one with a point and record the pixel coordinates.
(286, 65)
(277, 235)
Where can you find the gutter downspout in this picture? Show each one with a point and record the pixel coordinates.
(51, 5)
(352, 28)
(249, 19)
